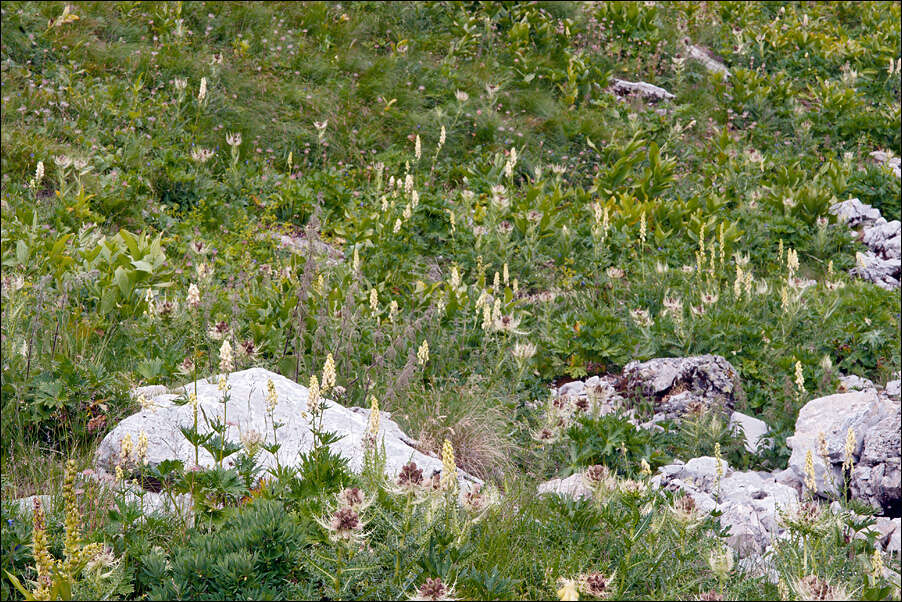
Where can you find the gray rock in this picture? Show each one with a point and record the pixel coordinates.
(678, 383)
(593, 381)
(894, 543)
(149, 391)
(789, 478)
(573, 486)
(877, 477)
(752, 428)
(574, 388)
(853, 212)
(246, 412)
(880, 264)
(708, 59)
(884, 239)
(873, 268)
(647, 91)
(886, 528)
(894, 164)
(874, 421)
(894, 388)
(749, 501)
(853, 382)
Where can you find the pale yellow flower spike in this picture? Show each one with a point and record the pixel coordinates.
(849, 460)
(272, 397)
(328, 374)
(313, 395)
(449, 468)
(373, 425)
(642, 228)
(423, 353)
(810, 481)
(800, 378)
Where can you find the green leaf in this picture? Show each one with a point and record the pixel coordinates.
(123, 281)
(142, 266)
(18, 585)
(22, 251)
(130, 240)
(108, 299)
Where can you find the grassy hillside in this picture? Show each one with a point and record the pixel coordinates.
(445, 154)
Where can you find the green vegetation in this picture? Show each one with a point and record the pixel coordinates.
(472, 181)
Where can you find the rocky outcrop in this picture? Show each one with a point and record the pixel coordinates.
(882, 262)
(894, 164)
(749, 501)
(162, 419)
(861, 428)
(678, 385)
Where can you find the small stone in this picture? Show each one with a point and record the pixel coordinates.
(647, 91)
(752, 428)
(574, 388)
(573, 486)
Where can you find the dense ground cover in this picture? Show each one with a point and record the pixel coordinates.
(479, 187)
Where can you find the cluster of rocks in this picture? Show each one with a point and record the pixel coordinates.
(748, 500)
(884, 158)
(699, 384)
(751, 502)
(857, 427)
(882, 262)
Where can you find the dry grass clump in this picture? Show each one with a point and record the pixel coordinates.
(473, 426)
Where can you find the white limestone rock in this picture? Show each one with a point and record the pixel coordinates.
(573, 486)
(752, 428)
(247, 411)
(874, 421)
(708, 59)
(649, 92)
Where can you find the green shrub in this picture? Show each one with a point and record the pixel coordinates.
(253, 555)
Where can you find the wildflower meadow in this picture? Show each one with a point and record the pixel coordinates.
(451, 300)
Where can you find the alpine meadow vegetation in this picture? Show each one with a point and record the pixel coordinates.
(438, 216)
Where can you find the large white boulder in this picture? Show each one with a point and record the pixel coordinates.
(246, 411)
(874, 421)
